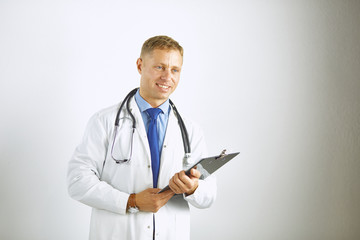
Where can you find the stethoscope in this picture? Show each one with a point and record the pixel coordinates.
(126, 101)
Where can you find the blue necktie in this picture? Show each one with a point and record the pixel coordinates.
(154, 143)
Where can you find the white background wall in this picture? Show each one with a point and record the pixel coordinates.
(277, 80)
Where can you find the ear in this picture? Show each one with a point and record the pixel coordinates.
(139, 64)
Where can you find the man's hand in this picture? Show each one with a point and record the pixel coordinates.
(181, 183)
(150, 201)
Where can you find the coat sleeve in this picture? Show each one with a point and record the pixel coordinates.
(84, 171)
(205, 194)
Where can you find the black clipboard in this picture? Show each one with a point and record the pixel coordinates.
(209, 165)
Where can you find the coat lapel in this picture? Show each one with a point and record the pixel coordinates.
(140, 128)
(171, 154)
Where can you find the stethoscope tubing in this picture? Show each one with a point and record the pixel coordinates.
(184, 133)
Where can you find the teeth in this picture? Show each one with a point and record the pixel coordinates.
(163, 86)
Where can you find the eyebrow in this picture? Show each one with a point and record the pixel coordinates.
(174, 66)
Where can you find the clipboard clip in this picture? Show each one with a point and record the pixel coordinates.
(222, 154)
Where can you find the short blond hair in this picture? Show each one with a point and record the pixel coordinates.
(160, 42)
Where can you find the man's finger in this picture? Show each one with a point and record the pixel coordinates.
(173, 186)
(166, 194)
(195, 173)
(182, 180)
(154, 190)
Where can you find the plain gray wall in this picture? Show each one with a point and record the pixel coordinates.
(277, 80)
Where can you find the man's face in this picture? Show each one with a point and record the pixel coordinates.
(160, 75)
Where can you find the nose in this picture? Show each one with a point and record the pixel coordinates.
(166, 74)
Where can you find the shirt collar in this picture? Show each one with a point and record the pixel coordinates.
(144, 105)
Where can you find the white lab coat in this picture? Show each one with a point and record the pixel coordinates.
(96, 180)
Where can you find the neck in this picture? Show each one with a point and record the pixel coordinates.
(153, 102)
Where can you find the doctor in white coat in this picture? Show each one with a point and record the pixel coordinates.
(125, 204)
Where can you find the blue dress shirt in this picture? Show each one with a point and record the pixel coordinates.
(162, 119)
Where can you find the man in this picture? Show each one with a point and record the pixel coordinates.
(119, 172)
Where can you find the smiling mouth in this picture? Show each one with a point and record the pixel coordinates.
(163, 86)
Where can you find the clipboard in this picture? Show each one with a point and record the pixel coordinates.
(209, 165)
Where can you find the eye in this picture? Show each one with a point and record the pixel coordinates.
(175, 70)
(158, 67)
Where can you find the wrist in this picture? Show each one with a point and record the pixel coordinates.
(131, 204)
(191, 191)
